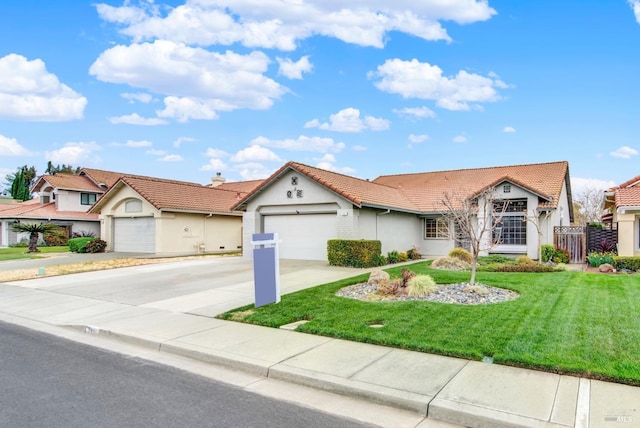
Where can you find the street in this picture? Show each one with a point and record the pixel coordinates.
(52, 382)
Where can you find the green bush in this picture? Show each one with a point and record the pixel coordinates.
(524, 260)
(96, 246)
(414, 254)
(78, 245)
(355, 253)
(547, 251)
(393, 257)
(622, 262)
(597, 259)
(461, 254)
(403, 257)
(561, 255)
(512, 267)
(495, 258)
(450, 263)
(420, 285)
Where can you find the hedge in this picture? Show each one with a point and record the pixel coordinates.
(77, 245)
(355, 253)
(631, 263)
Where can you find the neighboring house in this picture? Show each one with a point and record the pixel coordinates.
(152, 215)
(307, 206)
(623, 202)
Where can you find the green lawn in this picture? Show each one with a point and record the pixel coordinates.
(565, 322)
(14, 253)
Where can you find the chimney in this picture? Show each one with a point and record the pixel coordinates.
(217, 180)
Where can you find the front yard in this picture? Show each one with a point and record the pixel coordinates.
(15, 253)
(567, 322)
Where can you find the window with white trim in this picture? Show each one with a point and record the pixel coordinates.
(511, 229)
(435, 228)
(87, 198)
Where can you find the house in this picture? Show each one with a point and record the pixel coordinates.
(623, 202)
(307, 206)
(153, 215)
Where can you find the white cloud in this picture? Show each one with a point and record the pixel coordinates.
(191, 77)
(417, 112)
(328, 162)
(180, 140)
(74, 153)
(281, 24)
(348, 120)
(460, 139)
(581, 185)
(624, 152)
(29, 92)
(635, 5)
(255, 153)
(302, 144)
(253, 171)
(216, 153)
(417, 139)
(133, 144)
(171, 158)
(136, 119)
(359, 148)
(509, 129)
(11, 147)
(156, 152)
(414, 79)
(138, 96)
(294, 70)
(214, 165)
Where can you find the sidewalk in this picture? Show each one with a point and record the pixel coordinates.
(459, 391)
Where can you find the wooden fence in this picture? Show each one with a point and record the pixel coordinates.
(572, 239)
(602, 239)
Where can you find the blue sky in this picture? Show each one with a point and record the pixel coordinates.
(184, 89)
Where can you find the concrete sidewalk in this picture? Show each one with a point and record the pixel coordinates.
(458, 391)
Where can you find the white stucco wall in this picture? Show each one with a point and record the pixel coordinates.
(396, 231)
(67, 200)
(628, 239)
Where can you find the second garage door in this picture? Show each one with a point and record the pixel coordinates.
(134, 235)
(304, 236)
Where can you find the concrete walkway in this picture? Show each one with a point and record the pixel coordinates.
(454, 390)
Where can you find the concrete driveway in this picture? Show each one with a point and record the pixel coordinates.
(206, 286)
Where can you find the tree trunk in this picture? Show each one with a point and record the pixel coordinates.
(33, 242)
(474, 263)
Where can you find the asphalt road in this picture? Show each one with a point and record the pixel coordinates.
(52, 382)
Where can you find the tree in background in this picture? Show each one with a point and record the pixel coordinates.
(21, 182)
(588, 205)
(61, 169)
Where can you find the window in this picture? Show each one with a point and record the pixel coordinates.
(435, 228)
(133, 206)
(506, 188)
(512, 228)
(87, 198)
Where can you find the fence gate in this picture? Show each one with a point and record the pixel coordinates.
(571, 238)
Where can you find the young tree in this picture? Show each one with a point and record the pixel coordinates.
(475, 221)
(34, 230)
(20, 182)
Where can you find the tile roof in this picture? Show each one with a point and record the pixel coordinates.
(171, 195)
(629, 183)
(427, 189)
(244, 187)
(359, 192)
(33, 209)
(627, 197)
(66, 181)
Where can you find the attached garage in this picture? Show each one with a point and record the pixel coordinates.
(134, 235)
(302, 236)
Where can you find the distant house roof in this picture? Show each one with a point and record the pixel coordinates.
(65, 181)
(33, 209)
(624, 195)
(171, 195)
(244, 187)
(423, 192)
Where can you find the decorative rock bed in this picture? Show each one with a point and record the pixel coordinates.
(461, 294)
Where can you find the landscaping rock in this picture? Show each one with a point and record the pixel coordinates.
(606, 268)
(377, 276)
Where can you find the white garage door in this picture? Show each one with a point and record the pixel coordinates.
(304, 236)
(134, 235)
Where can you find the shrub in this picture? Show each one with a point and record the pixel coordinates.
(535, 267)
(389, 287)
(354, 253)
(83, 234)
(630, 263)
(606, 246)
(561, 255)
(547, 251)
(597, 259)
(403, 257)
(406, 276)
(378, 260)
(393, 257)
(95, 246)
(450, 263)
(78, 245)
(414, 254)
(56, 238)
(495, 258)
(524, 260)
(421, 285)
(461, 254)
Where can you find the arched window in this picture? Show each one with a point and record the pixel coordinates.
(133, 206)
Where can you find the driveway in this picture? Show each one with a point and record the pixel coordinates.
(206, 286)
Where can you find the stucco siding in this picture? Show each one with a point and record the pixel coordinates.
(68, 200)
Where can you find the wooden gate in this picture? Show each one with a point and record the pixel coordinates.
(572, 239)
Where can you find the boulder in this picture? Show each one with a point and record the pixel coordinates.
(378, 275)
(606, 268)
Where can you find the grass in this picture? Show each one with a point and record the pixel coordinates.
(15, 253)
(579, 323)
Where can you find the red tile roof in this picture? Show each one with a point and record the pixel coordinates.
(33, 209)
(626, 194)
(423, 192)
(171, 195)
(244, 187)
(67, 182)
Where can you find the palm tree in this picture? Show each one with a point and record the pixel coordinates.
(34, 230)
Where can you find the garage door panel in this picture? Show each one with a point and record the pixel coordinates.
(134, 235)
(303, 237)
